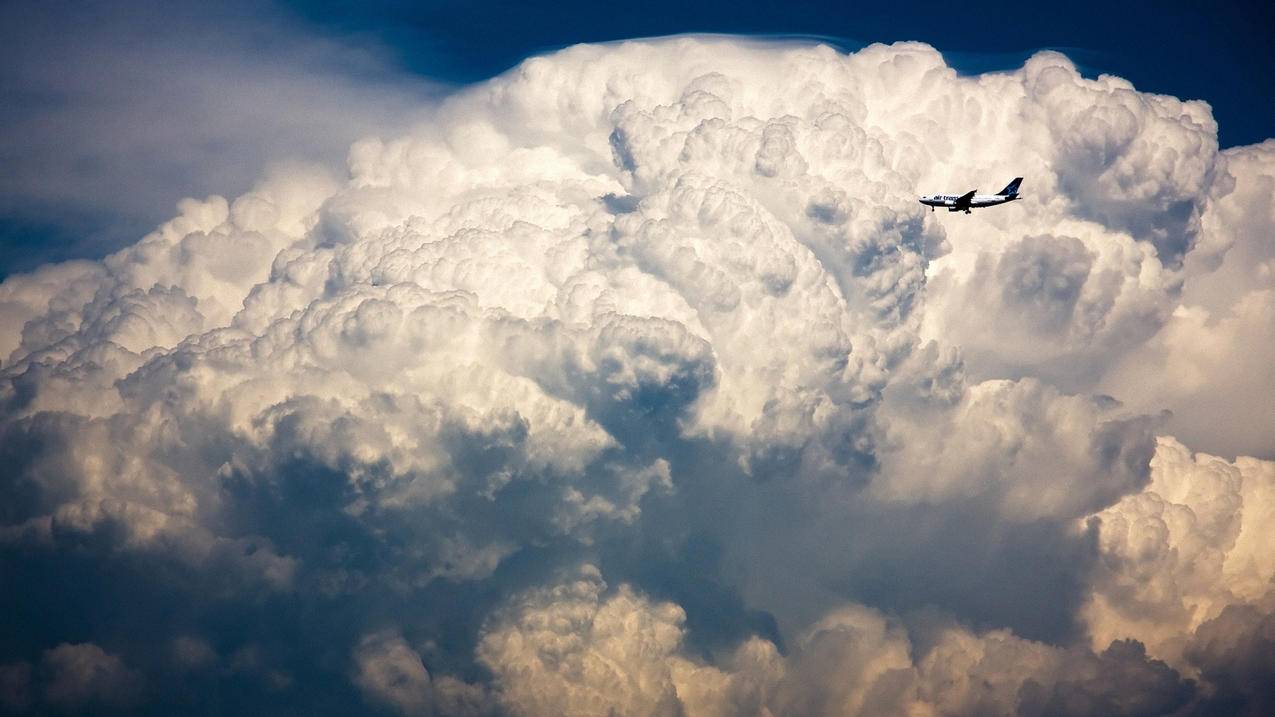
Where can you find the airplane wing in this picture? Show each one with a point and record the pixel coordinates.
(963, 202)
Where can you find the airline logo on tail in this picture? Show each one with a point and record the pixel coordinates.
(972, 199)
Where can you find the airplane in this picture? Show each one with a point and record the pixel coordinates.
(972, 200)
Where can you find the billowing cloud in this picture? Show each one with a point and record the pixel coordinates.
(1178, 554)
(577, 649)
(1222, 320)
(669, 311)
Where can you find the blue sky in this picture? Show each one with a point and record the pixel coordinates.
(1220, 53)
(93, 161)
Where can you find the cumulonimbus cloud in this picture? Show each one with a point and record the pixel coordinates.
(638, 381)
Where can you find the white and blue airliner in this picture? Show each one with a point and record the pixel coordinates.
(972, 199)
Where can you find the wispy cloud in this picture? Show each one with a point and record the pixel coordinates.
(114, 113)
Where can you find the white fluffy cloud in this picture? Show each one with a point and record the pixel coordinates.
(671, 308)
(578, 649)
(1196, 540)
(1209, 363)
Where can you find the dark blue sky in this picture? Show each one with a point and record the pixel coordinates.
(113, 112)
(1221, 54)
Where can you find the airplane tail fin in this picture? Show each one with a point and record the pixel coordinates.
(1012, 188)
